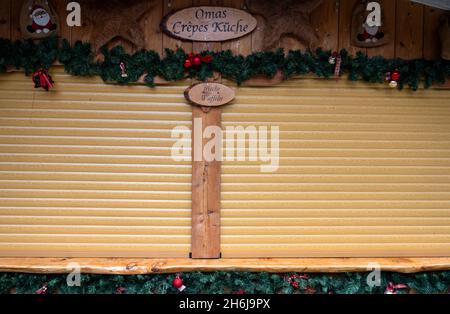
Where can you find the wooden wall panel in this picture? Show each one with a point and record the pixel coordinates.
(413, 28)
(388, 50)
(431, 44)
(60, 8)
(5, 19)
(258, 34)
(170, 42)
(153, 33)
(325, 20)
(241, 45)
(82, 33)
(345, 17)
(16, 6)
(409, 30)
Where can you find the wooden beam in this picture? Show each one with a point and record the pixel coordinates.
(409, 30)
(205, 241)
(325, 21)
(170, 42)
(134, 266)
(431, 41)
(5, 19)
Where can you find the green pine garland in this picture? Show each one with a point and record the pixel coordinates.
(227, 282)
(79, 60)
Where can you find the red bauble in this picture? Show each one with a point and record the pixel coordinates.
(395, 76)
(187, 63)
(196, 61)
(207, 59)
(177, 283)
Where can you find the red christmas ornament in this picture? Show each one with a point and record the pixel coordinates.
(120, 290)
(207, 59)
(240, 291)
(42, 290)
(187, 63)
(392, 78)
(42, 78)
(196, 61)
(177, 282)
(395, 76)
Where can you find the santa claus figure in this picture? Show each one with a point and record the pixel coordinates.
(370, 34)
(41, 20)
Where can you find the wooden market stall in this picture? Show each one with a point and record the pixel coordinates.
(87, 172)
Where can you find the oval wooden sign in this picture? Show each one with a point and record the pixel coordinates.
(209, 94)
(208, 23)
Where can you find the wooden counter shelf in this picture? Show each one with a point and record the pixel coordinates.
(134, 266)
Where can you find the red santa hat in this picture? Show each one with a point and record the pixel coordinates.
(34, 8)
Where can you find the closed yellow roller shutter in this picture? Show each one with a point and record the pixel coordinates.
(364, 171)
(85, 169)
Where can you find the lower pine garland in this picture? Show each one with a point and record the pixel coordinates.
(229, 282)
(118, 66)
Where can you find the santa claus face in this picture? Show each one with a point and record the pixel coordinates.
(40, 17)
(372, 30)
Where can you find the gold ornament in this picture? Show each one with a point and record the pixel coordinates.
(393, 84)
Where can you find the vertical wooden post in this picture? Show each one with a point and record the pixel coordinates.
(205, 192)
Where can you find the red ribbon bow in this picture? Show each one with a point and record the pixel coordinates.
(42, 78)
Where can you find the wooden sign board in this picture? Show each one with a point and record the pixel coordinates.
(209, 94)
(206, 23)
(363, 33)
(38, 19)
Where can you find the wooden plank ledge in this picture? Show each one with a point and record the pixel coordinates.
(134, 266)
